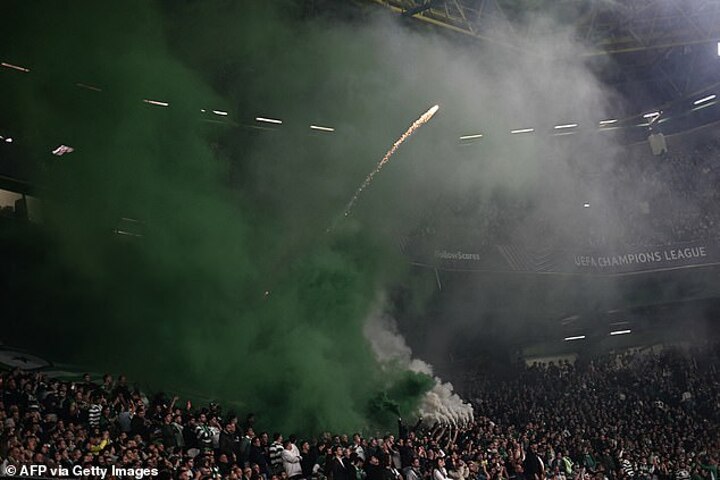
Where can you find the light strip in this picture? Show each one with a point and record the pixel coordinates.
(322, 129)
(268, 120)
(705, 99)
(156, 102)
(124, 232)
(577, 337)
(471, 137)
(700, 107)
(222, 113)
(609, 121)
(89, 87)
(651, 115)
(569, 125)
(620, 332)
(14, 67)
(522, 130)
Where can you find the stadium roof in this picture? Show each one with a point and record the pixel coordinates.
(661, 50)
(612, 27)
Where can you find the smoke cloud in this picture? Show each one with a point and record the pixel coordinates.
(438, 405)
(229, 276)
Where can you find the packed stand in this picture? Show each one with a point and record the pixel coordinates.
(644, 417)
(634, 199)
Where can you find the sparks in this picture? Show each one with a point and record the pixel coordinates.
(424, 118)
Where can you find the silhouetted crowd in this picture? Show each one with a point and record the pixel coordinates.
(649, 416)
(634, 200)
(669, 199)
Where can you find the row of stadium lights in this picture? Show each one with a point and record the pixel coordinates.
(612, 334)
(562, 129)
(223, 113)
(569, 128)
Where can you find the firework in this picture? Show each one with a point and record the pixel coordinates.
(424, 118)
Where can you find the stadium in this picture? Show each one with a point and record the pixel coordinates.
(360, 239)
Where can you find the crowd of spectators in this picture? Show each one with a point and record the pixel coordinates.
(650, 415)
(631, 199)
(626, 417)
(667, 199)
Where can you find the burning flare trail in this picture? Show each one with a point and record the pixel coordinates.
(424, 118)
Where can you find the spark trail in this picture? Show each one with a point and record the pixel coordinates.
(424, 118)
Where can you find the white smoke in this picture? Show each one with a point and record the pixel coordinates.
(440, 404)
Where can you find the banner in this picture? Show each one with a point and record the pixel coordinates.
(658, 258)
(512, 258)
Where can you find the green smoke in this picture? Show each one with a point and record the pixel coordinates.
(217, 215)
